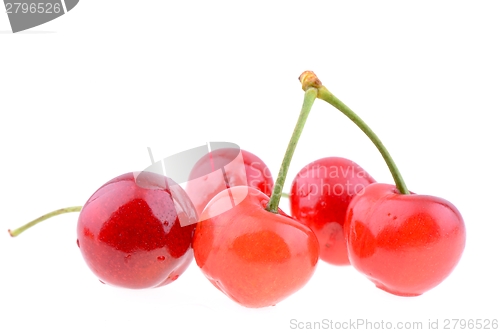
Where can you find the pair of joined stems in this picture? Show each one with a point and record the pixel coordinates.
(314, 89)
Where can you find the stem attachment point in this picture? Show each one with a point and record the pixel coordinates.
(309, 80)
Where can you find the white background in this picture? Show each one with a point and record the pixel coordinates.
(83, 96)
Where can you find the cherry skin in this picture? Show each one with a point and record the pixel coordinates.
(319, 197)
(204, 184)
(257, 258)
(406, 244)
(130, 235)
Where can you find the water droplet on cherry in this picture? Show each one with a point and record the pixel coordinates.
(160, 258)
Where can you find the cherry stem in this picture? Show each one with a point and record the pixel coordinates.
(25, 227)
(309, 98)
(328, 97)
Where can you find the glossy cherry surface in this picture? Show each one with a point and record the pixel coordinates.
(255, 257)
(405, 244)
(239, 169)
(319, 197)
(130, 235)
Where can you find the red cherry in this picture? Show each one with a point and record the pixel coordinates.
(248, 248)
(130, 235)
(319, 197)
(255, 257)
(405, 244)
(245, 169)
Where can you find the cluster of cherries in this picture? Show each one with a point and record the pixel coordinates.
(135, 233)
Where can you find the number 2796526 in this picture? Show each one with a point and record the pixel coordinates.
(33, 8)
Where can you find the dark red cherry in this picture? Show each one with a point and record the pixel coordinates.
(130, 235)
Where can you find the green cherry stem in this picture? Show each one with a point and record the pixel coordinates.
(25, 227)
(309, 98)
(328, 97)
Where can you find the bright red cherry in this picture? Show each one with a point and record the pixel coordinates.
(248, 248)
(240, 168)
(130, 236)
(255, 257)
(319, 197)
(406, 244)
